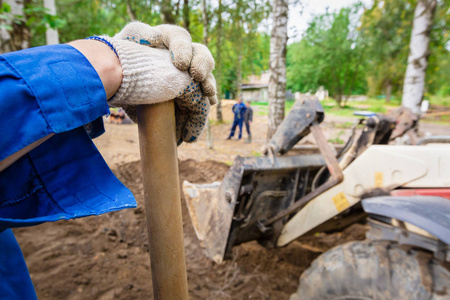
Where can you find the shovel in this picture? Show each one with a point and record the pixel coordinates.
(158, 148)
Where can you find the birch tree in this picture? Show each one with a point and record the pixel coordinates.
(277, 65)
(219, 62)
(51, 34)
(238, 14)
(414, 84)
(205, 19)
(14, 34)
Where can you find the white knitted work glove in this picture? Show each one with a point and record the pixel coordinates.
(149, 76)
(185, 55)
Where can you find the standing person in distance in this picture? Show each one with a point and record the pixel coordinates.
(248, 119)
(239, 112)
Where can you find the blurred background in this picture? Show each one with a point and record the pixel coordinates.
(341, 47)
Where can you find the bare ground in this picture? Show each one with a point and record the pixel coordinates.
(106, 257)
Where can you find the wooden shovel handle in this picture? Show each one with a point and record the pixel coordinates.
(157, 139)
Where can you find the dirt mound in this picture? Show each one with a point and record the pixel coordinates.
(202, 172)
(191, 170)
(106, 257)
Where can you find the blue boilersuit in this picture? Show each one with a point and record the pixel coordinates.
(239, 112)
(45, 90)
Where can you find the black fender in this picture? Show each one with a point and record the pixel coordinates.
(427, 212)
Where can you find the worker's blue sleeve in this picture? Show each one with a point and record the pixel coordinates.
(44, 90)
(15, 282)
(50, 90)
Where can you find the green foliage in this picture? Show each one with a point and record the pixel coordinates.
(438, 71)
(355, 50)
(5, 9)
(386, 31)
(330, 54)
(241, 37)
(38, 19)
(439, 100)
(352, 54)
(240, 27)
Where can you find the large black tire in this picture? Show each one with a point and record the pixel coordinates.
(374, 270)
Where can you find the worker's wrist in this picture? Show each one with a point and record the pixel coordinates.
(104, 61)
(104, 41)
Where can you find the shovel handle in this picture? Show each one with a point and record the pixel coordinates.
(159, 159)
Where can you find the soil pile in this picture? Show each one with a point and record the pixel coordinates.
(106, 257)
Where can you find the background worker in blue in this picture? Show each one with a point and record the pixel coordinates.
(239, 112)
(248, 119)
(55, 97)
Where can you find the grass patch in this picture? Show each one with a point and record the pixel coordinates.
(260, 103)
(443, 120)
(256, 154)
(438, 100)
(345, 125)
(376, 105)
(337, 139)
(263, 112)
(288, 105)
(263, 107)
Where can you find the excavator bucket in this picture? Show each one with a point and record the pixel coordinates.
(211, 216)
(196, 196)
(254, 190)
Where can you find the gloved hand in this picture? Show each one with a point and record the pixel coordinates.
(185, 55)
(149, 76)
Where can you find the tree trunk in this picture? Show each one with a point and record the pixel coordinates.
(413, 87)
(388, 91)
(205, 22)
(205, 42)
(219, 62)
(277, 65)
(166, 12)
(51, 34)
(239, 34)
(130, 11)
(186, 21)
(14, 34)
(338, 99)
(239, 71)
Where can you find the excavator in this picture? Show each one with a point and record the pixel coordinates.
(402, 193)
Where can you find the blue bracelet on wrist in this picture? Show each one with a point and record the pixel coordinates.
(100, 39)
